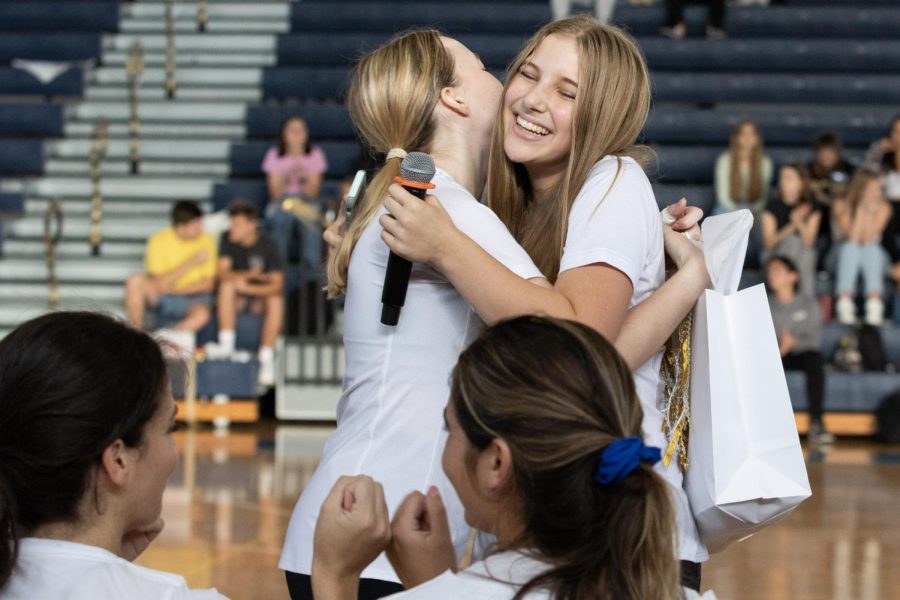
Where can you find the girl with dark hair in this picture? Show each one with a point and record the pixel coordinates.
(86, 417)
(294, 169)
(790, 225)
(545, 451)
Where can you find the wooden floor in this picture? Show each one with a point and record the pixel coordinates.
(230, 499)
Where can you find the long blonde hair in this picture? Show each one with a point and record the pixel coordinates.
(756, 159)
(558, 394)
(611, 107)
(392, 97)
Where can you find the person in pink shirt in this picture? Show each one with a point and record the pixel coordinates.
(294, 169)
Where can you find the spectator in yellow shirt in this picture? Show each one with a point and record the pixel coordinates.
(180, 264)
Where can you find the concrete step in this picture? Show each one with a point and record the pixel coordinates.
(158, 93)
(149, 149)
(153, 130)
(136, 186)
(215, 10)
(77, 226)
(236, 43)
(33, 248)
(188, 25)
(197, 77)
(14, 312)
(81, 208)
(68, 270)
(185, 59)
(166, 111)
(80, 167)
(117, 203)
(68, 292)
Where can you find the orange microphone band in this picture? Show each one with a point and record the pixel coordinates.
(414, 184)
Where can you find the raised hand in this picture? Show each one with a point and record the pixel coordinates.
(421, 546)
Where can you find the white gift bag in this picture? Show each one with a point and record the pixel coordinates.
(746, 467)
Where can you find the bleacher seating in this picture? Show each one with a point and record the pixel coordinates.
(796, 69)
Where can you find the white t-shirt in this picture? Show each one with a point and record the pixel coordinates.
(54, 569)
(498, 577)
(396, 383)
(615, 220)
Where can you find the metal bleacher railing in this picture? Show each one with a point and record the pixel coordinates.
(202, 16)
(134, 68)
(99, 145)
(170, 49)
(53, 216)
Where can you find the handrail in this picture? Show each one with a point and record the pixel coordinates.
(202, 16)
(99, 145)
(51, 239)
(134, 68)
(170, 48)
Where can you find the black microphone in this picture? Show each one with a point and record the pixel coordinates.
(416, 172)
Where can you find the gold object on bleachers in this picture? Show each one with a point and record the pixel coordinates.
(170, 48)
(54, 215)
(99, 145)
(305, 211)
(202, 16)
(675, 372)
(134, 68)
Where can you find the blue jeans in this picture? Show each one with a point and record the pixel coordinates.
(283, 225)
(853, 259)
(172, 308)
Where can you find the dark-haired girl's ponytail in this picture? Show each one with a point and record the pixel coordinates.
(9, 540)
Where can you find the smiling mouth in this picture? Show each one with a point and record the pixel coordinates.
(531, 127)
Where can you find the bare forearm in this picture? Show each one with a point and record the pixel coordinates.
(650, 323)
(164, 282)
(327, 586)
(495, 292)
(201, 287)
(263, 289)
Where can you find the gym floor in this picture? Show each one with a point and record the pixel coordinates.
(230, 499)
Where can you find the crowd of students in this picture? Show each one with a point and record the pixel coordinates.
(190, 276)
(827, 215)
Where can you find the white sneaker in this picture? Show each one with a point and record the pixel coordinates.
(182, 339)
(874, 311)
(846, 311)
(266, 371)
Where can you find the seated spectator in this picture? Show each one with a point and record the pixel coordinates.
(790, 225)
(85, 451)
(744, 172)
(676, 27)
(181, 267)
(294, 170)
(883, 158)
(545, 450)
(250, 279)
(829, 172)
(603, 9)
(859, 222)
(798, 325)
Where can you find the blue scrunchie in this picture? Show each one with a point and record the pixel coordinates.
(622, 457)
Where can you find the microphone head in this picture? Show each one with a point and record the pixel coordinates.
(418, 167)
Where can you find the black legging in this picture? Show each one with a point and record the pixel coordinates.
(690, 575)
(300, 587)
(812, 365)
(715, 16)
